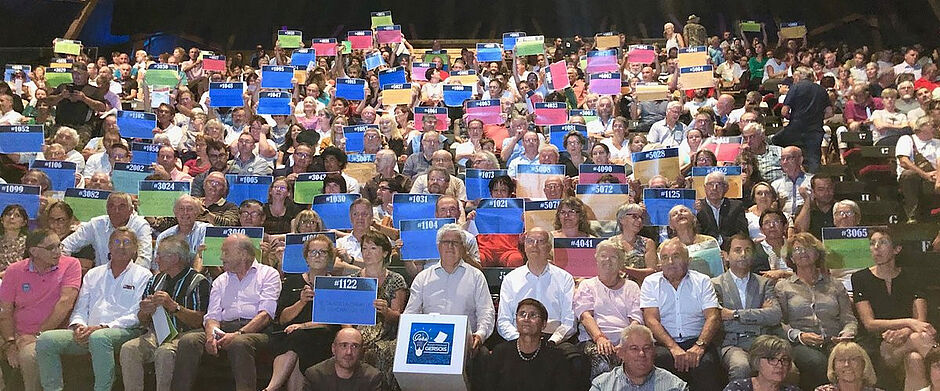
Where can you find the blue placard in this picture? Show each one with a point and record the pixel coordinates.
(456, 94)
(509, 40)
(274, 103)
(394, 75)
(334, 209)
(542, 169)
(582, 113)
(603, 188)
(354, 136)
(136, 124)
(10, 69)
(300, 58)
(277, 76)
(500, 216)
(294, 260)
(60, 173)
(430, 344)
(534, 206)
(489, 52)
(360, 158)
(420, 238)
(697, 69)
(248, 187)
(413, 207)
(602, 53)
(655, 154)
(727, 170)
(226, 94)
(344, 300)
(791, 24)
(659, 201)
(374, 60)
(26, 196)
(351, 89)
(478, 182)
(144, 153)
(482, 103)
(125, 176)
(692, 49)
(21, 138)
(556, 134)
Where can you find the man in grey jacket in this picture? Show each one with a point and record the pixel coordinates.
(749, 306)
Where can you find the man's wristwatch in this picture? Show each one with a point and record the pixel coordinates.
(239, 332)
(736, 315)
(178, 308)
(700, 343)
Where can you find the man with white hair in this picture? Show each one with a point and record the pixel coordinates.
(668, 131)
(605, 115)
(186, 209)
(97, 231)
(754, 142)
(529, 155)
(385, 164)
(638, 372)
(720, 217)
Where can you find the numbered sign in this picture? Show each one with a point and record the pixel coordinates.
(530, 46)
(136, 124)
(438, 112)
(360, 166)
(334, 209)
(26, 196)
(351, 89)
(551, 113)
(381, 18)
(163, 75)
(848, 247)
(87, 203)
(605, 83)
(226, 94)
(641, 54)
(374, 60)
(659, 201)
(21, 138)
(604, 199)
(344, 300)
(58, 76)
(307, 186)
(394, 75)
(793, 30)
(576, 256)
(301, 58)
(530, 179)
(413, 207)
(274, 103)
(215, 63)
(354, 136)
(558, 76)
(588, 114)
(67, 46)
(500, 216)
(701, 76)
(212, 256)
(61, 63)
(750, 27)
(489, 52)
(157, 197)
(607, 40)
(60, 173)
(125, 176)
(456, 94)
(248, 187)
(557, 133)
(602, 61)
(419, 70)
(388, 34)
(144, 153)
(733, 176)
(419, 238)
(360, 40)
(541, 214)
(290, 39)
(509, 39)
(487, 111)
(11, 70)
(277, 76)
(397, 94)
(591, 173)
(692, 56)
(663, 162)
(465, 77)
(646, 92)
(324, 46)
(294, 259)
(478, 182)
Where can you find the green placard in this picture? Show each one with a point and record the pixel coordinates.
(66, 46)
(347, 47)
(158, 203)
(86, 208)
(212, 256)
(750, 27)
(289, 41)
(304, 191)
(162, 77)
(384, 19)
(530, 46)
(848, 253)
(54, 79)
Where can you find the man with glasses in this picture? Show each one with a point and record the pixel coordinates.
(749, 306)
(216, 209)
(680, 307)
(439, 179)
(720, 217)
(97, 231)
(218, 162)
(166, 125)
(638, 371)
(345, 370)
(38, 295)
(419, 162)
(186, 209)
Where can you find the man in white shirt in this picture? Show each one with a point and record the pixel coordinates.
(680, 307)
(103, 162)
(668, 132)
(105, 315)
(699, 99)
(917, 158)
(530, 153)
(601, 127)
(186, 209)
(8, 116)
(787, 186)
(97, 231)
(909, 65)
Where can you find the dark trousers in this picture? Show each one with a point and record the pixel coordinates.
(240, 353)
(809, 141)
(813, 364)
(707, 376)
(917, 194)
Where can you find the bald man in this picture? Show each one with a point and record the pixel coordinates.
(345, 370)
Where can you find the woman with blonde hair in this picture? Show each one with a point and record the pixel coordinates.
(849, 369)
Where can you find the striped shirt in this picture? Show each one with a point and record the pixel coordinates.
(197, 300)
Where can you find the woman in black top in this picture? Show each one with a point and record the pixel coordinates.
(280, 208)
(302, 343)
(893, 311)
(530, 362)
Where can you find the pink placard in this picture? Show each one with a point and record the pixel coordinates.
(559, 72)
(641, 56)
(490, 115)
(360, 40)
(389, 36)
(605, 83)
(213, 64)
(601, 64)
(550, 116)
(441, 116)
(324, 48)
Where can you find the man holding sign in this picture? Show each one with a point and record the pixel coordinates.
(75, 102)
(242, 305)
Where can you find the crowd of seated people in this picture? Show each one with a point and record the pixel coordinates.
(733, 291)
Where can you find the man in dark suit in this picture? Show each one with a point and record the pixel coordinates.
(718, 216)
(748, 303)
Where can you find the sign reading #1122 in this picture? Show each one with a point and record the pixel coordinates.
(344, 300)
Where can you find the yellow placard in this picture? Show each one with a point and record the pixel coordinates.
(363, 172)
(663, 162)
(467, 80)
(603, 206)
(693, 57)
(530, 179)
(793, 32)
(607, 41)
(396, 96)
(67, 46)
(60, 63)
(301, 76)
(694, 80)
(646, 92)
